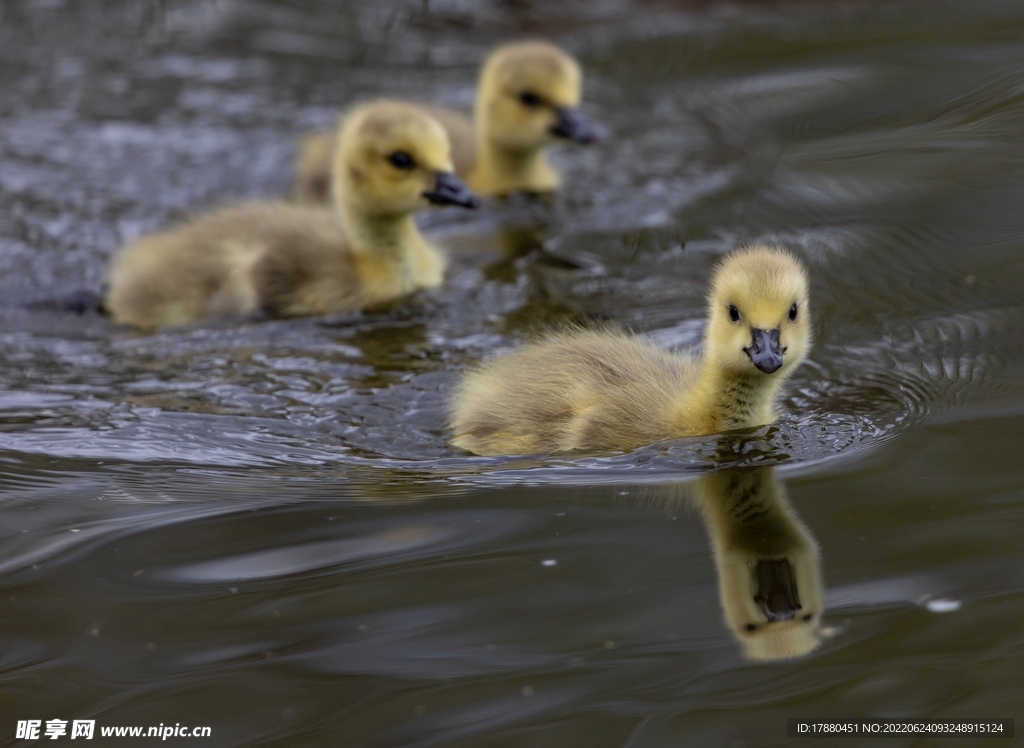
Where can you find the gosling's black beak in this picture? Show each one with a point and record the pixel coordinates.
(764, 351)
(776, 595)
(573, 125)
(449, 190)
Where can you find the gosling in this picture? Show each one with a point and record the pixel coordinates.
(606, 391)
(288, 260)
(528, 97)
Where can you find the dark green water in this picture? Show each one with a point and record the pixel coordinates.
(258, 526)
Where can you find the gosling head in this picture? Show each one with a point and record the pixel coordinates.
(392, 159)
(759, 321)
(529, 96)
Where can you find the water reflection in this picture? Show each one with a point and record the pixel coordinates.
(547, 277)
(516, 242)
(769, 570)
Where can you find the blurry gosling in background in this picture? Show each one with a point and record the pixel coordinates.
(287, 260)
(605, 391)
(769, 570)
(527, 99)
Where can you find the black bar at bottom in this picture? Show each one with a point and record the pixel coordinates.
(899, 727)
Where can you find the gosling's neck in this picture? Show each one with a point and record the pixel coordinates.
(500, 170)
(381, 237)
(391, 254)
(727, 399)
(386, 238)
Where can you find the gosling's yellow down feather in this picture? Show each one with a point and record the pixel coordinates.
(605, 391)
(528, 97)
(392, 160)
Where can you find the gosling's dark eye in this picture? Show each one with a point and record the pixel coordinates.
(530, 98)
(792, 313)
(401, 160)
(734, 313)
(808, 617)
(751, 627)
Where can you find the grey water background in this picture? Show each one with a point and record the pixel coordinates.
(257, 526)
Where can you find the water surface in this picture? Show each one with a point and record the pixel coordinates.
(257, 525)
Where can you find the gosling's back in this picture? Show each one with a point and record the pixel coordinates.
(596, 391)
(272, 257)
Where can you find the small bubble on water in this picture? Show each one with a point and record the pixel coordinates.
(549, 562)
(942, 605)
(528, 691)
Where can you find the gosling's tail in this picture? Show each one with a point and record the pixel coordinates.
(74, 301)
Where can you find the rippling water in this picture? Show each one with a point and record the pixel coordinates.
(257, 525)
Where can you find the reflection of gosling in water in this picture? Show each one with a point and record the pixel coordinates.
(527, 98)
(287, 260)
(602, 391)
(769, 575)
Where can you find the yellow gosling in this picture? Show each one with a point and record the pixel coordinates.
(769, 569)
(527, 99)
(288, 260)
(606, 391)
